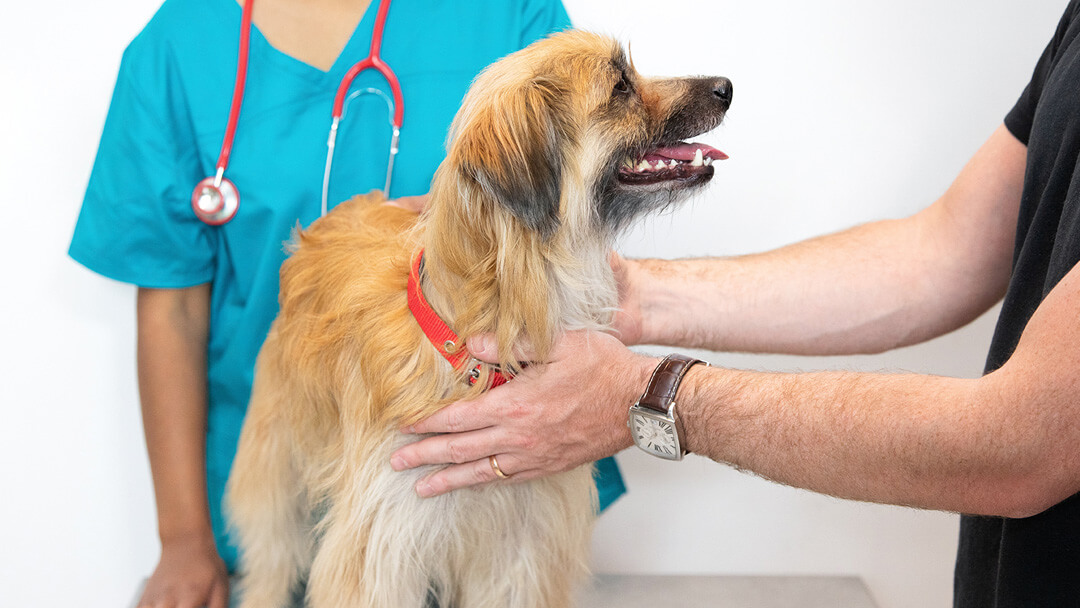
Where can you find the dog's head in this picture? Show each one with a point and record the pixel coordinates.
(566, 132)
(555, 149)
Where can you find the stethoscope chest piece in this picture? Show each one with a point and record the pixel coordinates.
(215, 202)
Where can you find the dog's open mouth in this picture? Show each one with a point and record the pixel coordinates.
(676, 162)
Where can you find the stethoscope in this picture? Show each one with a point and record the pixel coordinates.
(216, 199)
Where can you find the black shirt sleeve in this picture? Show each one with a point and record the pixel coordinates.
(1020, 118)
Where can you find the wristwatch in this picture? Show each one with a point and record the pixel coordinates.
(653, 423)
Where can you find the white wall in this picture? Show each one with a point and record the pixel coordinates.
(845, 111)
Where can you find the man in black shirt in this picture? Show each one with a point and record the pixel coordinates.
(1003, 448)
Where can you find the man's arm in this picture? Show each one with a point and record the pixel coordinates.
(173, 326)
(1004, 444)
(867, 289)
(871, 288)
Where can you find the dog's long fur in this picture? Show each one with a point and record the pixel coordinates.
(516, 232)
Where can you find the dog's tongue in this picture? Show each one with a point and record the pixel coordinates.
(686, 152)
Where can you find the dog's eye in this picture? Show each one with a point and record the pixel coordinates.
(622, 87)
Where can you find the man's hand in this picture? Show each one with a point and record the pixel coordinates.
(627, 323)
(189, 574)
(552, 417)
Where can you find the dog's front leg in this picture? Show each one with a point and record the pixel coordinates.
(377, 547)
(266, 502)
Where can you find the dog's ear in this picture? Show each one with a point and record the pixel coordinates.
(512, 147)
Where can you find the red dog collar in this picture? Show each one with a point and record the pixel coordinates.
(438, 332)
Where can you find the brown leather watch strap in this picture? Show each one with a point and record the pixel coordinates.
(665, 380)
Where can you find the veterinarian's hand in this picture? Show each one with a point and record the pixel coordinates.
(190, 574)
(552, 417)
(412, 203)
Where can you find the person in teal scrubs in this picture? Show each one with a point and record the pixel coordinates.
(162, 135)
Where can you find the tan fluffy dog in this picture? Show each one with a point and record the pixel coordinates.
(555, 149)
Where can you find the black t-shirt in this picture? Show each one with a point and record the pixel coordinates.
(1035, 562)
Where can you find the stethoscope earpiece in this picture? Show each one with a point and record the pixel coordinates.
(215, 203)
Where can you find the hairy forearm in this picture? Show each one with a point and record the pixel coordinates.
(1002, 444)
(172, 339)
(867, 289)
(831, 295)
(996, 445)
(879, 438)
(851, 292)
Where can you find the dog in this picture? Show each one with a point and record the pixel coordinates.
(555, 150)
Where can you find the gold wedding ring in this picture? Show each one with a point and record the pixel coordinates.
(495, 467)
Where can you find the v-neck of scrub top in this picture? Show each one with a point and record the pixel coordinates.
(361, 35)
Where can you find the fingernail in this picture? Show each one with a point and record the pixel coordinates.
(480, 345)
(408, 430)
(398, 463)
(424, 489)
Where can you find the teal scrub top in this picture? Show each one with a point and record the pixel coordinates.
(163, 134)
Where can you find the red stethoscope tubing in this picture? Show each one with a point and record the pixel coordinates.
(216, 199)
(373, 60)
(238, 88)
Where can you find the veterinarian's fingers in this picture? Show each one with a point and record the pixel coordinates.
(415, 204)
(219, 595)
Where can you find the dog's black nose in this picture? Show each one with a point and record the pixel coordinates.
(723, 90)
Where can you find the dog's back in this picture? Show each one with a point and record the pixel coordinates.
(312, 496)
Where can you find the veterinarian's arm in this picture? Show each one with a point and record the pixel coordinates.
(173, 326)
(868, 289)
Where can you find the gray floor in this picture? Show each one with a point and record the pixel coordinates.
(625, 591)
(725, 592)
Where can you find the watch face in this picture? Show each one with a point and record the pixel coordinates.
(656, 436)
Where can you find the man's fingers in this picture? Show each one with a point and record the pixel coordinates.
(455, 477)
(486, 348)
(477, 472)
(457, 448)
(483, 347)
(457, 417)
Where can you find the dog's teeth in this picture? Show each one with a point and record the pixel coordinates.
(644, 166)
(707, 162)
(628, 163)
(672, 163)
(698, 160)
(660, 165)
